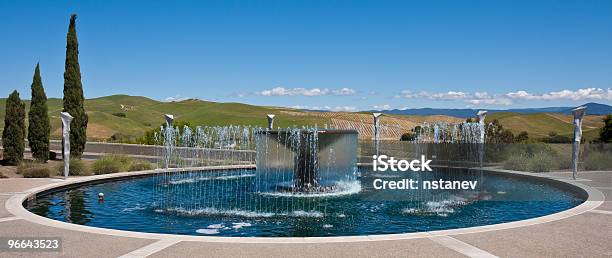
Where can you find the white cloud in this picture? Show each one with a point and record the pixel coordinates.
(281, 91)
(579, 94)
(407, 94)
(344, 91)
(521, 94)
(344, 108)
(483, 98)
(506, 99)
(382, 107)
(450, 95)
(328, 108)
(476, 98)
(490, 101)
(481, 95)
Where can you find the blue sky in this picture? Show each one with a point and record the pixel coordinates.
(339, 55)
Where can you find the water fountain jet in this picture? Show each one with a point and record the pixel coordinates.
(320, 157)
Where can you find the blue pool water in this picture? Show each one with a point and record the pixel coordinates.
(230, 203)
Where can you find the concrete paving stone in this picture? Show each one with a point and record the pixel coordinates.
(585, 235)
(588, 235)
(606, 206)
(596, 174)
(396, 248)
(3, 212)
(9, 185)
(75, 243)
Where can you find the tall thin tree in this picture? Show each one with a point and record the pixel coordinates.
(39, 127)
(13, 135)
(73, 93)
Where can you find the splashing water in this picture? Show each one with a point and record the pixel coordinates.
(292, 163)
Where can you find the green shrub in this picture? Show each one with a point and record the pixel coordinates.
(563, 162)
(36, 171)
(140, 165)
(105, 165)
(77, 168)
(526, 149)
(598, 161)
(24, 166)
(516, 162)
(116, 163)
(123, 160)
(540, 162)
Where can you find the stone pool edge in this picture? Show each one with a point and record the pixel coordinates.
(15, 206)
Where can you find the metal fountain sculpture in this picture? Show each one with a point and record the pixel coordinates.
(306, 146)
(169, 144)
(270, 121)
(66, 120)
(376, 117)
(482, 114)
(578, 113)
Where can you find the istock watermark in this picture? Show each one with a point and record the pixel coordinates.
(383, 163)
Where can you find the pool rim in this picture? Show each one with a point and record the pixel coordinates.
(593, 199)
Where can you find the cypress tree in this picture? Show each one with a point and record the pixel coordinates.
(73, 93)
(14, 129)
(39, 127)
(605, 133)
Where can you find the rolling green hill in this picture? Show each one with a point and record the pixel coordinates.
(541, 124)
(142, 114)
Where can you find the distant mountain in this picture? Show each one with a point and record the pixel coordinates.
(592, 109)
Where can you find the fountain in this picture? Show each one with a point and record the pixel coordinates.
(306, 183)
(319, 157)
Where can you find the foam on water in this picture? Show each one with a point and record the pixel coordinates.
(207, 231)
(239, 213)
(240, 225)
(342, 188)
(439, 208)
(311, 214)
(193, 180)
(387, 175)
(136, 208)
(216, 226)
(215, 211)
